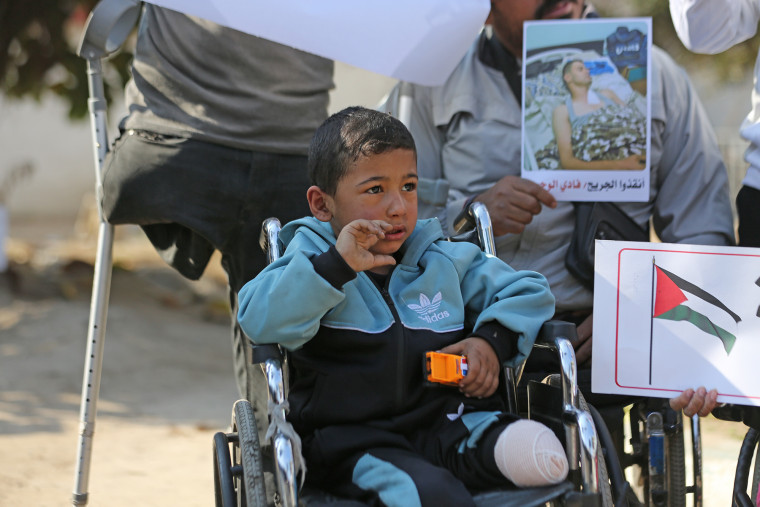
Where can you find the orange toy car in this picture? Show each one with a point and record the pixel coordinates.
(446, 369)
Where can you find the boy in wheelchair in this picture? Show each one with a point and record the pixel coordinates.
(361, 293)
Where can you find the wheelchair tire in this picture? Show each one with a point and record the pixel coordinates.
(676, 470)
(605, 487)
(251, 491)
(224, 487)
(756, 476)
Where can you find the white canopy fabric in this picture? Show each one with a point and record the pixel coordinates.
(419, 41)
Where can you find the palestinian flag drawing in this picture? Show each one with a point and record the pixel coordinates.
(670, 302)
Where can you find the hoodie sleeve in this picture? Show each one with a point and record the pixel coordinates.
(504, 305)
(285, 303)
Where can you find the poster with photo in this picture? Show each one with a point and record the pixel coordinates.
(586, 113)
(668, 317)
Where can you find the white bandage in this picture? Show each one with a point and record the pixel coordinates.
(529, 454)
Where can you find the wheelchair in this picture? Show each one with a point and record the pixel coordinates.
(249, 473)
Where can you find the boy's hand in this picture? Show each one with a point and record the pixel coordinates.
(693, 402)
(356, 239)
(483, 367)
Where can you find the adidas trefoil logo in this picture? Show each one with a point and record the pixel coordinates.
(427, 310)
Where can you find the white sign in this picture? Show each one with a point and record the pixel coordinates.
(671, 317)
(586, 110)
(420, 41)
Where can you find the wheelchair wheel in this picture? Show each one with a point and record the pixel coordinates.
(249, 484)
(756, 476)
(605, 488)
(224, 487)
(676, 470)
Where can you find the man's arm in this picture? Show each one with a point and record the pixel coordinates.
(692, 203)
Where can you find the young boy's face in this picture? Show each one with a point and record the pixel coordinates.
(379, 187)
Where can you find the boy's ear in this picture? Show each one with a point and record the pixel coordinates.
(319, 203)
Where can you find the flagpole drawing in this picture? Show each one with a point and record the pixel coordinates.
(651, 323)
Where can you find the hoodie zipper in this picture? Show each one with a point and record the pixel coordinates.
(398, 334)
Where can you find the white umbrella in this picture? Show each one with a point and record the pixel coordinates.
(412, 40)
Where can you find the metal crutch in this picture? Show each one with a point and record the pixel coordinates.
(107, 27)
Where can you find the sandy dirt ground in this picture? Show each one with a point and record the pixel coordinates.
(166, 387)
(167, 383)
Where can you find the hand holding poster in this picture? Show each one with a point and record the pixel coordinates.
(671, 317)
(586, 111)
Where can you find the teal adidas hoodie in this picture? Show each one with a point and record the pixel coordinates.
(357, 348)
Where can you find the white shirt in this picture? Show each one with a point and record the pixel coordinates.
(712, 26)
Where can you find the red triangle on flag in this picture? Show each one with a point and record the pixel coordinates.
(667, 295)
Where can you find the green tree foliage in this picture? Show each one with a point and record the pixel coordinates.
(38, 44)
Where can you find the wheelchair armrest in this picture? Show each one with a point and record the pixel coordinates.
(559, 336)
(262, 353)
(553, 329)
(476, 215)
(466, 237)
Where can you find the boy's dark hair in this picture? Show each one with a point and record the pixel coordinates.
(349, 134)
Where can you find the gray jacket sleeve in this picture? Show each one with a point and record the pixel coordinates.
(692, 203)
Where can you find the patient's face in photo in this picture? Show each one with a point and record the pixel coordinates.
(577, 73)
(379, 187)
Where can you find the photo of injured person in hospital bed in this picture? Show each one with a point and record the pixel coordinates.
(585, 108)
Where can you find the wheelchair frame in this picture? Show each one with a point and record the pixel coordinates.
(581, 440)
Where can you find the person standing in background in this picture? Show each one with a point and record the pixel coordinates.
(214, 142)
(710, 27)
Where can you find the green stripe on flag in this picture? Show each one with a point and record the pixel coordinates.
(682, 312)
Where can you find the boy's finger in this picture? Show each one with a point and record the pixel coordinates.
(384, 226)
(711, 400)
(484, 386)
(454, 348)
(680, 401)
(470, 383)
(384, 260)
(697, 402)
